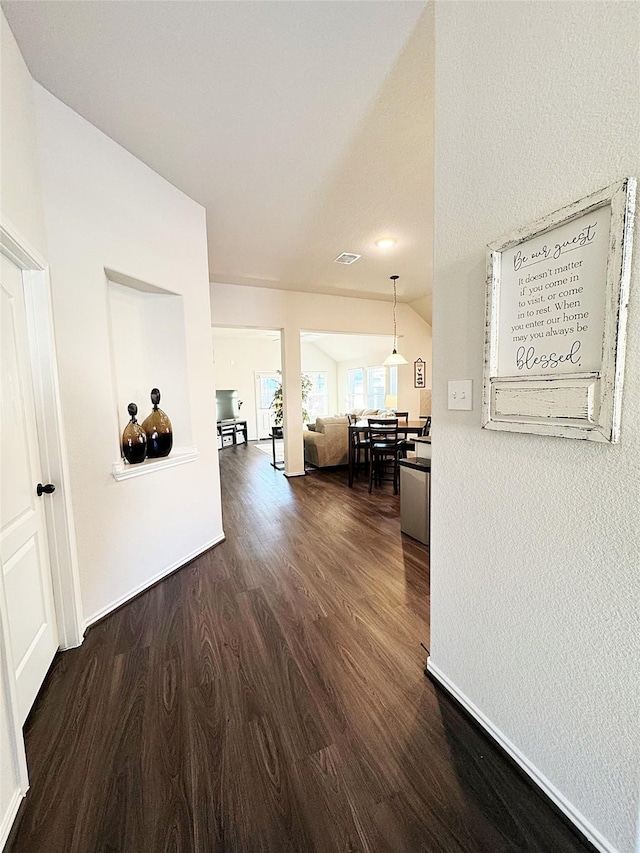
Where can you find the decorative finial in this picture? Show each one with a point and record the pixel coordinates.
(155, 397)
(133, 411)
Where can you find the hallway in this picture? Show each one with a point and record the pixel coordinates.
(270, 697)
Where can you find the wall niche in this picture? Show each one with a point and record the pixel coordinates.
(148, 350)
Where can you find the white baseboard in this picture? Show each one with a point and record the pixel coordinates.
(294, 473)
(100, 614)
(9, 816)
(581, 823)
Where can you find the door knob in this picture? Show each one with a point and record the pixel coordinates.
(48, 489)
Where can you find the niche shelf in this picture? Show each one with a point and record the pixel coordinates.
(123, 471)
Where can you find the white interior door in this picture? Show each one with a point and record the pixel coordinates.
(24, 553)
(266, 386)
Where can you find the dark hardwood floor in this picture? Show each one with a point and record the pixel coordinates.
(270, 696)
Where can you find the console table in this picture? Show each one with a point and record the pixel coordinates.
(232, 428)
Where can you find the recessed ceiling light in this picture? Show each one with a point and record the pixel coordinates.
(346, 258)
(385, 242)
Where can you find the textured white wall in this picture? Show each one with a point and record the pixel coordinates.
(20, 173)
(104, 208)
(535, 541)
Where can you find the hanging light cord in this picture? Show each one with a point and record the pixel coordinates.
(394, 359)
(395, 333)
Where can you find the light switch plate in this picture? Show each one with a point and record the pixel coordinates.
(460, 394)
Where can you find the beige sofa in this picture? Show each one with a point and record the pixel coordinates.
(327, 441)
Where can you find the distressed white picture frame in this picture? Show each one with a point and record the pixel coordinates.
(580, 404)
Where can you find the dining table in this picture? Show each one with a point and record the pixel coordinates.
(405, 429)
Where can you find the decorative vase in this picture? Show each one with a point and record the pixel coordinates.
(157, 427)
(134, 438)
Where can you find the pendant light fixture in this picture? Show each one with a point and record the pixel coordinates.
(395, 357)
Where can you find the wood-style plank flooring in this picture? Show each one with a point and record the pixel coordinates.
(270, 697)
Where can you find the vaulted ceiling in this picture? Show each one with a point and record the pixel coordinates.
(304, 128)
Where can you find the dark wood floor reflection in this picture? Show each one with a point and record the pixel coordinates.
(270, 697)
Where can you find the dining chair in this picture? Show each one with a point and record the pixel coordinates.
(406, 444)
(403, 417)
(360, 445)
(383, 451)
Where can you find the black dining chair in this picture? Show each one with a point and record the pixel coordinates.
(408, 445)
(384, 451)
(359, 445)
(403, 418)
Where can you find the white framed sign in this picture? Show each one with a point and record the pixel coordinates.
(557, 294)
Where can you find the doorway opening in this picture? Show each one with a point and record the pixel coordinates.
(248, 361)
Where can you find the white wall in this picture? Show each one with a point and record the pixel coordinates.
(105, 209)
(535, 543)
(21, 189)
(236, 361)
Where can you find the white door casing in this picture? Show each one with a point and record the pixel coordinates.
(50, 426)
(24, 550)
(266, 384)
(36, 289)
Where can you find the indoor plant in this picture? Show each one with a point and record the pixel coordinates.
(276, 403)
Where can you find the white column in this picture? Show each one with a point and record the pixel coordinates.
(292, 402)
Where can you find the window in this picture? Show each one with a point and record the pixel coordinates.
(368, 387)
(355, 388)
(393, 381)
(318, 397)
(376, 384)
(268, 384)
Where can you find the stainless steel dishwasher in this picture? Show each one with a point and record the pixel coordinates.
(415, 494)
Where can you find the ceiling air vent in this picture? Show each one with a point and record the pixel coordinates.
(346, 258)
